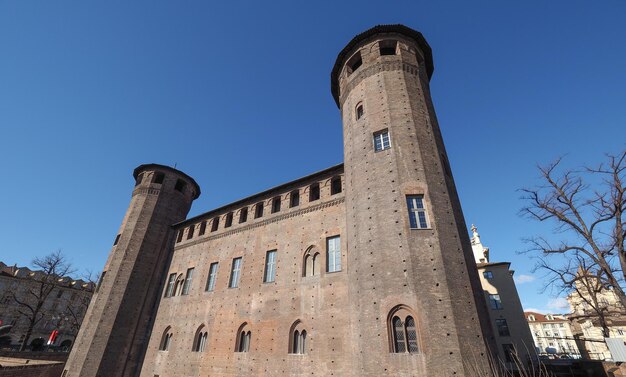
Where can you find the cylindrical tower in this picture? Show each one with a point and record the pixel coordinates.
(116, 327)
(417, 302)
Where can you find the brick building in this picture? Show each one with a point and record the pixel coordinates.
(362, 269)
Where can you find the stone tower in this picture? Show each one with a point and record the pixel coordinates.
(116, 327)
(417, 264)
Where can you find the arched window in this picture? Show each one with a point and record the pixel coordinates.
(297, 339)
(403, 334)
(166, 339)
(200, 340)
(244, 338)
(411, 334)
(398, 335)
(310, 264)
(359, 111)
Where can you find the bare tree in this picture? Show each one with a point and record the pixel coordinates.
(587, 210)
(30, 306)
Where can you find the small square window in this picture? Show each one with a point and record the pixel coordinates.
(158, 178)
(180, 185)
(488, 275)
(381, 140)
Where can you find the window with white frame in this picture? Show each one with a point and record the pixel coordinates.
(417, 212)
(381, 140)
(210, 283)
(170, 285)
(333, 254)
(234, 273)
(188, 279)
(495, 302)
(270, 267)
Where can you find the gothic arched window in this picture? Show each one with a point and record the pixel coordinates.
(297, 339)
(403, 331)
(244, 337)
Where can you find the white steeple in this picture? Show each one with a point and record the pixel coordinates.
(481, 253)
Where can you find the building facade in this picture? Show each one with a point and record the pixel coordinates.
(362, 269)
(586, 323)
(552, 334)
(62, 310)
(514, 341)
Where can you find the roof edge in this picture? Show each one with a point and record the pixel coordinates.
(259, 194)
(143, 167)
(380, 29)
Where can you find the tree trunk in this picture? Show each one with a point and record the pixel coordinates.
(29, 332)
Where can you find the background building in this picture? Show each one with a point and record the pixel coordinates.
(552, 334)
(587, 324)
(62, 311)
(505, 308)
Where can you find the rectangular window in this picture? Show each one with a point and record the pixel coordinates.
(509, 352)
(258, 210)
(180, 185)
(314, 192)
(335, 186)
(488, 275)
(158, 178)
(229, 220)
(187, 284)
(417, 212)
(234, 273)
(243, 215)
(276, 204)
(190, 232)
(215, 224)
(503, 327)
(270, 267)
(210, 283)
(381, 140)
(170, 285)
(494, 302)
(294, 199)
(202, 228)
(333, 254)
(180, 235)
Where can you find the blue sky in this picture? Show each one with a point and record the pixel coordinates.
(237, 94)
